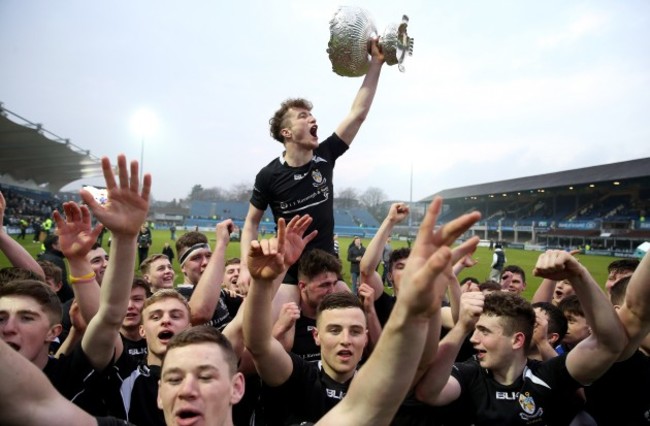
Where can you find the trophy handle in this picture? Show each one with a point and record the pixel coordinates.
(396, 44)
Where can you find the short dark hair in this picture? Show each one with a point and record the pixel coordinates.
(472, 279)
(338, 300)
(516, 313)
(40, 292)
(11, 273)
(570, 305)
(489, 286)
(277, 122)
(557, 322)
(188, 240)
(618, 290)
(515, 270)
(399, 254)
(621, 265)
(316, 262)
(140, 282)
(51, 270)
(204, 334)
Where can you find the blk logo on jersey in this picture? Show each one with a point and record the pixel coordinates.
(336, 394)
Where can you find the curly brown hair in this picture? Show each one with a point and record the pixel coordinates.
(277, 122)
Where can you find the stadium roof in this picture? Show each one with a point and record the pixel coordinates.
(29, 155)
(604, 173)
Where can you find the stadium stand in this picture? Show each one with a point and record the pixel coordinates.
(603, 207)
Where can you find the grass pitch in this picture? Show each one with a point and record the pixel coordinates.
(597, 265)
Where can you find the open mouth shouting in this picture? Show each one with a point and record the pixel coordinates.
(313, 130)
(187, 416)
(165, 336)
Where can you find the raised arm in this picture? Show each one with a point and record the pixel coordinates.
(438, 387)
(594, 355)
(28, 398)
(125, 210)
(371, 258)
(635, 312)
(76, 238)
(248, 234)
(350, 126)
(16, 254)
(544, 292)
(383, 382)
(266, 262)
(206, 295)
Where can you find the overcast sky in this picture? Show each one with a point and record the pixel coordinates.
(495, 89)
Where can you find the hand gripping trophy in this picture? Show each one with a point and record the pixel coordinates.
(352, 29)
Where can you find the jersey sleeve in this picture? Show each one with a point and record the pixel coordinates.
(331, 148)
(465, 373)
(260, 197)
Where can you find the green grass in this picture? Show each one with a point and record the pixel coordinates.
(597, 265)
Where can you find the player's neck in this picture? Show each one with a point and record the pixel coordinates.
(297, 156)
(508, 374)
(131, 333)
(338, 377)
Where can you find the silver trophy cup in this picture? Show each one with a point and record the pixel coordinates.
(351, 32)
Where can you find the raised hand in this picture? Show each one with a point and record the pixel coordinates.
(266, 257)
(557, 265)
(471, 308)
(76, 233)
(126, 208)
(428, 269)
(375, 50)
(289, 314)
(398, 212)
(294, 241)
(223, 231)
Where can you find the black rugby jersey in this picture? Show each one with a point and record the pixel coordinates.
(544, 394)
(309, 189)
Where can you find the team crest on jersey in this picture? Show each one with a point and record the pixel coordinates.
(318, 177)
(527, 404)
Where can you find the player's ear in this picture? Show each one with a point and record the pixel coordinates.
(285, 132)
(518, 340)
(237, 388)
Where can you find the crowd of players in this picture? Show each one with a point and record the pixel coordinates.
(276, 337)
